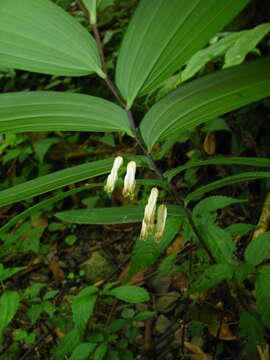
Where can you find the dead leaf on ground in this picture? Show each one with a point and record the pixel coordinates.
(176, 246)
(196, 353)
(225, 332)
(263, 352)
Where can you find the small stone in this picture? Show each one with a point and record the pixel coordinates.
(162, 324)
(167, 302)
(97, 267)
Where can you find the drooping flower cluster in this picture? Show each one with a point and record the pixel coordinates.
(148, 223)
(129, 181)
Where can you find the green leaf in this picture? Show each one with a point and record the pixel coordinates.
(45, 204)
(131, 293)
(83, 306)
(67, 344)
(239, 229)
(262, 292)
(31, 41)
(143, 315)
(59, 111)
(216, 124)
(54, 181)
(6, 273)
(219, 160)
(247, 42)
(214, 203)
(112, 215)
(253, 331)
(83, 351)
(257, 250)
(9, 303)
(34, 312)
(100, 352)
(202, 57)
(218, 241)
(213, 276)
(162, 36)
(41, 147)
(146, 253)
(205, 98)
(229, 180)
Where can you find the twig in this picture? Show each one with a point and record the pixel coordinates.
(217, 336)
(138, 140)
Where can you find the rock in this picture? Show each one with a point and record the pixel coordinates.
(161, 285)
(162, 324)
(97, 267)
(166, 303)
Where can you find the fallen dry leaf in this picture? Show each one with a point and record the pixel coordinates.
(176, 246)
(196, 353)
(209, 144)
(225, 332)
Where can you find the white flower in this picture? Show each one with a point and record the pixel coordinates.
(129, 181)
(149, 215)
(161, 222)
(112, 178)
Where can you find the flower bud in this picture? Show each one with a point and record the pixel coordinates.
(161, 222)
(129, 181)
(112, 178)
(144, 232)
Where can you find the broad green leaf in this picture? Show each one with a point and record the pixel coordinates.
(214, 203)
(39, 36)
(229, 180)
(9, 302)
(257, 250)
(218, 241)
(206, 98)
(34, 312)
(83, 306)
(67, 344)
(262, 292)
(42, 147)
(146, 253)
(239, 229)
(100, 351)
(130, 293)
(112, 215)
(213, 276)
(54, 181)
(253, 331)
(163, 35)
(247, 42)
(234, 45)
(202, 57)
(219, 160)
(59, 111)
(83, 351)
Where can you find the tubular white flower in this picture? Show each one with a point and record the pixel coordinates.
(161, 222)
(112, 178)
(129, 181)
(144, 232)
(149, 215)
(150, 209)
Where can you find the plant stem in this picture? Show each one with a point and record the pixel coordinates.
(140, 143)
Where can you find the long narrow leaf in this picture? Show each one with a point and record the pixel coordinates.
(54, 181)
(206, 98)
(230, 180)
(39, 36)
(56, 111)
(220, 160)
(112, 215)
(163, 35)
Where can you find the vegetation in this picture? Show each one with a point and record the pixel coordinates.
(134, 193)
